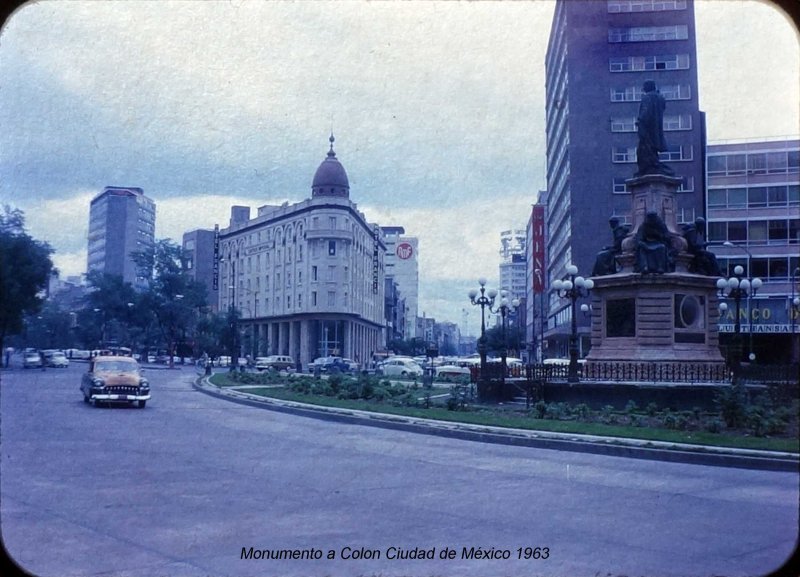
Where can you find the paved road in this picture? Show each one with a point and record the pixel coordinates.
(182, 486)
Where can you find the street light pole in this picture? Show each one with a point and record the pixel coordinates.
(737, 287)
(486, 299)
(504, 309)
(573, 288)
(750, 354)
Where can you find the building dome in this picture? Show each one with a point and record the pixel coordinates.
(330, 178)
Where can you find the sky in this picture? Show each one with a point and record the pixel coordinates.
(437, 109)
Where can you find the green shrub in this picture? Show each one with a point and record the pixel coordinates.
(582, 411)
(651, 409)
(714, 425)
(631, 407)
(732, 403)
(539, 410)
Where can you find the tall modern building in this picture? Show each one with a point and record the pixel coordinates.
(200, 248)
(307, 278)
(402, 266)
(599, 55)
(121, 221)
(754, 221)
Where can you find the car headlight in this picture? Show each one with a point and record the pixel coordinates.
(98, 383)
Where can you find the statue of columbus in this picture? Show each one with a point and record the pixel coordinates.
(650, 127)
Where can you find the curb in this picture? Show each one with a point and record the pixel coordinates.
(610, 446)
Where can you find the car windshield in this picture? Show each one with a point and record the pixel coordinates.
(115, 367)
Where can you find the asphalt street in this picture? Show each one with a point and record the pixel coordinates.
(189, 484)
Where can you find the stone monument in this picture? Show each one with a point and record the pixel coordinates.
(658, 302)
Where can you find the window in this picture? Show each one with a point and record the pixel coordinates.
(648, 33)
(332, 273)
(794, 231)
(313, 298)
(623, 154)
(717, 198)
(619, 186)
(676, 153)
(331, 298)
(288, 301)
(737, 197)
(757, 197)
(332, 221)
(757, 163)
(777, 195)
(778, 268)
(617, 6)
(677, 122)
(687, 184)
(737, 231)
(716, 165)
(717, 231)
(331, 247)
(757, 231)
(640, 63)
(778, 230)
(313, 273)
(626, 124)
(299, 300)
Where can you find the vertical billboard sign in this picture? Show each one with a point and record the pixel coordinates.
(537, 218)
(376, 263)
(216, 258)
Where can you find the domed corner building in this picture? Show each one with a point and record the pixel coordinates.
(306, 278)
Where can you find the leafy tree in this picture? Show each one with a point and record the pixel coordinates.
(25, 268)
(173, 298)
(110, 316)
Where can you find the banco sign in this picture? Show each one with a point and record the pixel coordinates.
(404, 251)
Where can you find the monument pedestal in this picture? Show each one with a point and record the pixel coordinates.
(666, 318)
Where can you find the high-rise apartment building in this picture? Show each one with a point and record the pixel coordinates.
(599, 55)
(402, 266)
(199, 247)
(754, 221)
(121, 221)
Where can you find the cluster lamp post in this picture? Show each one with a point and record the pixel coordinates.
(505, 309)
(573, 287)
(486, 299)
(737, 287)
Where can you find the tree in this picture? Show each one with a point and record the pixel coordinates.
(25, 269)
(173, 298)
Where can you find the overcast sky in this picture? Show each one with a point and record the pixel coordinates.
(437, 109)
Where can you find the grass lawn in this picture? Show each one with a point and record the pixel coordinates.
(487, 415)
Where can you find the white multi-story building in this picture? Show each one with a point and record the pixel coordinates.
(306, 278)
(512, 264)
(402, 266)
(122, 220)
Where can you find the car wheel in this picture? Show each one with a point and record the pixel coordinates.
(86, 400)
(404, 374)
(142, 404)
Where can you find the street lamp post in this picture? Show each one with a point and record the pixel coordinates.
(573, 288)
(729, 244)
(737, 287)
(505, 308)
(485, 300)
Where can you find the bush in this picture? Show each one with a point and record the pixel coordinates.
(631, 407)
(715, 425)
(651, 409)
(539, 410)
(732, 403)
(582, 411)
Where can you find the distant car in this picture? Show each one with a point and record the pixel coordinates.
(277, 362)
(452, 371)
(395, 367)
(353, 366)
(58, 360)
(31, 361)
(115, 379)
(330, 365)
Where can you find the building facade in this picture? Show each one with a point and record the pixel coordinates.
(599, 55)
(199, 246)
(308, 278)
(512, 263)
(402, 266)
(121, 221)
(753, 220)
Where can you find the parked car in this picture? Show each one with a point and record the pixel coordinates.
(58, 360)
(115, 379)
(400, 367)
(330, 365)
(352, 365)
(277, 362)
(452, 371)
(32, 361)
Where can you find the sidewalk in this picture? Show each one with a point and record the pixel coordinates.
(611, 446)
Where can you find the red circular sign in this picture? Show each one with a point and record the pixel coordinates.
(404, 251)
